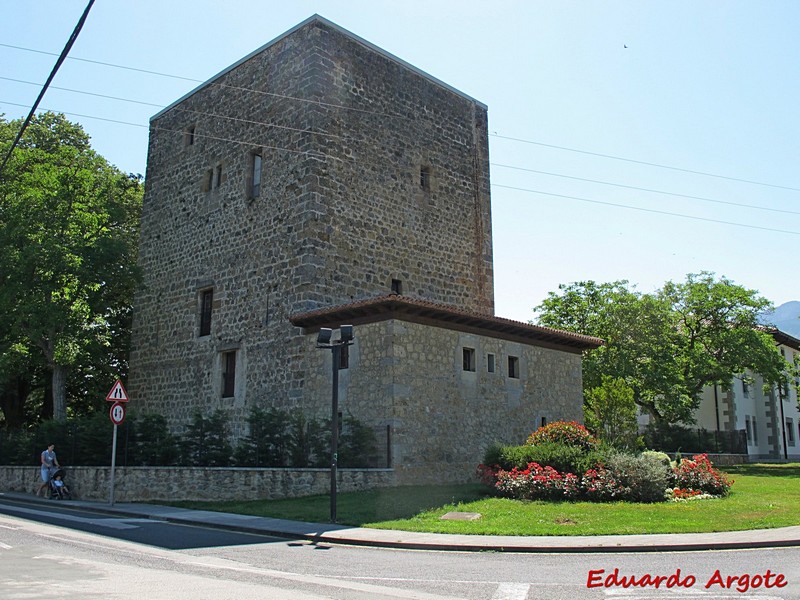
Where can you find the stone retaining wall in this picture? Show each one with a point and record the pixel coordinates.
(153, 484)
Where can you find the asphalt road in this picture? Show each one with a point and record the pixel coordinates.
(54, 551)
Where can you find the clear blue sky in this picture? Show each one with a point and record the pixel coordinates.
(710, 87)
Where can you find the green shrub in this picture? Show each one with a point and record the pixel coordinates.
(566, 433)
(661, 456)
(561, 457)
(645, 477)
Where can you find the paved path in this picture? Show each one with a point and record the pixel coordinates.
(340, 534)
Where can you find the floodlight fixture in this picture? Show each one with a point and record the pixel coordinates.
(324, 336)
(346, 333)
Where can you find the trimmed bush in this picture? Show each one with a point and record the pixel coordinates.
(561, 457)
(563, 432)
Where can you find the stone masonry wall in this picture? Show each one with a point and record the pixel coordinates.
(410, 376)
(153, 484)
(344, 132)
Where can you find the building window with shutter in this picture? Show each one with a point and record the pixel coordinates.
(206, 306)
(229, 374)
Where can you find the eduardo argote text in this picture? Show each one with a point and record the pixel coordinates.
(600, 578)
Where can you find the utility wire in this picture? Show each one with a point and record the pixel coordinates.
(649, 210)
(642, 162)
(494, 134)
(513, 167)
(323, 156)
(60, 60)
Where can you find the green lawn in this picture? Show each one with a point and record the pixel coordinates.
(762, 497)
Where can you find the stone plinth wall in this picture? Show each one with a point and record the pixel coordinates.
(153, 484)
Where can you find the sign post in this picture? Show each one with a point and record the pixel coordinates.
(117, 395)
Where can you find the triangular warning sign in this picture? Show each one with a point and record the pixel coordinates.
(117, 393)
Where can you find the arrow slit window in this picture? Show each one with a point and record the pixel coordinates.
(229, 374)
(206, 304)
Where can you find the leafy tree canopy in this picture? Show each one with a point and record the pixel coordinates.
(68, 238)
(667, 346)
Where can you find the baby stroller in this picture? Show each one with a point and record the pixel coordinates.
(58, 489)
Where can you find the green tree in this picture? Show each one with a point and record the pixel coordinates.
(68, 238)
(669, 345)
(610, 412)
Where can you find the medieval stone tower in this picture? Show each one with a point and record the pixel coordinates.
(317, 171)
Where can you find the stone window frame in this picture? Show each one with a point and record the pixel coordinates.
(190, 135)
(205, 301)
(425, 176)
(255, 173)
(513, 367)
(228, 364)
(469, 361)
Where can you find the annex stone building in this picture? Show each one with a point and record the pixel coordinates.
(317, 182)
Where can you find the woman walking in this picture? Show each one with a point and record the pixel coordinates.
(49, 463)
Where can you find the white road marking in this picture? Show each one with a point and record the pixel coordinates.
(512, 591)
(102, 522)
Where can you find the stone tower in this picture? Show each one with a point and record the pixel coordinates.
(319, 170)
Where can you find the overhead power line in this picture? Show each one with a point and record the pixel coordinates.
(322, 156)
(642, 162)
(495, 134)
(60, 60)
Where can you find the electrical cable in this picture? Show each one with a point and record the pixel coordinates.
(53, 72)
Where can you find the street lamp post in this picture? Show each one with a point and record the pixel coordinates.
(324, 341)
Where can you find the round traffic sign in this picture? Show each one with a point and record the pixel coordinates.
(117, 413)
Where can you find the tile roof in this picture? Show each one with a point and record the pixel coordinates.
(406, 308)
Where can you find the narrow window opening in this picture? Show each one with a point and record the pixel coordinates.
(469, 359)
(255, 177)
(397, 287)
(513, 367)
(206, 303)
(229, 374)
(208, 180)
(218, 177)
(188, 136)
(790, 431)
(490, 363)
(749, 429)
(344, 357)
(544, 422)
(425, 178)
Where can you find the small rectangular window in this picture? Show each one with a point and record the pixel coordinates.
(208, 180)
(755, 431)
(790, 431)
(188, 136)
(490, 363)
(206, 303)
(543, 422)
(255, 176)
(344, 356)
(218, 177)
(469, 359)
(229, 374)
(513, 367)
(425, 178)
(397, 287)
(745, 389)
(748, 429)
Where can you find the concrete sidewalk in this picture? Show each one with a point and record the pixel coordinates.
(361, 536)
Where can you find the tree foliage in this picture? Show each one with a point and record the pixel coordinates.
(68, 237)
(667, 346)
